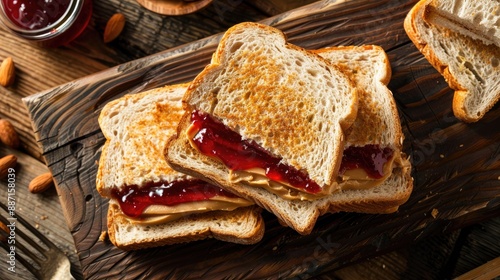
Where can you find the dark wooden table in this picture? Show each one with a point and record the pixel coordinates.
(453, 214)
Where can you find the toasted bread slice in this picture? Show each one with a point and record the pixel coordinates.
(137, 127)
(478, 19)
(469, 66)
(294, 104)
(377, 124)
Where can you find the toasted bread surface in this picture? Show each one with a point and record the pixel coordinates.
(137, 127)
(293, 103)
(469, 66)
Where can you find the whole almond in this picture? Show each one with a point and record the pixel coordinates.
(41, 183)
(8, 161)
(8, 134)
(114, 27)
(7, 72)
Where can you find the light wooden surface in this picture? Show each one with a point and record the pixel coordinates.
(147, 33)
(487, 271)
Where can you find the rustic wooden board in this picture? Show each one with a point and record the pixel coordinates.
(456, 165)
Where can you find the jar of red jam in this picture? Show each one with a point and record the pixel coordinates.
(48, 23)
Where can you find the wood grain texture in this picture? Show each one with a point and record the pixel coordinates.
(42, 211)
(441, 256)
(456, 165)
(487, 271)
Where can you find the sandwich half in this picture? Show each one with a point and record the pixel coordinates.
(375, 175)
(471, 67)
(151, 204)
(266, 120)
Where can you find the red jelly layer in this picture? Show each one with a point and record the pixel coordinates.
(133, 200)
(371, 158)
(217, 140)
(34, 14)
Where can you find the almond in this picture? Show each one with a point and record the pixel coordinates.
(8, 134)
(41, 183)
(7, 72)
(114, 27)
(8, 161)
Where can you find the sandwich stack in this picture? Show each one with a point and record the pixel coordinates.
(269, 121)
(299, 133)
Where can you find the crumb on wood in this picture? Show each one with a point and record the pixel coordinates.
(434, 213)
(103, 236)
(43, 217)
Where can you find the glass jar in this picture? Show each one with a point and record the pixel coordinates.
(47, 23)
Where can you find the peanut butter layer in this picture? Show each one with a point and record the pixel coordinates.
(158, 214)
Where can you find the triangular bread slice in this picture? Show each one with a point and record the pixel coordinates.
(300, 215)
(136, 128)
(377, 124)
(469, 66)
